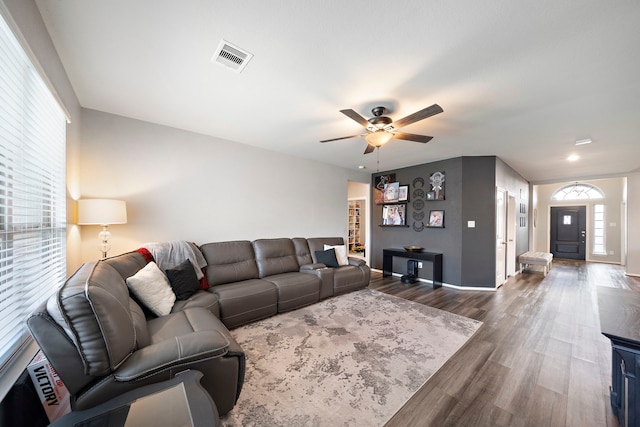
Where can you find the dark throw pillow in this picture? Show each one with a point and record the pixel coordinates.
(327, 258)
(183, 280)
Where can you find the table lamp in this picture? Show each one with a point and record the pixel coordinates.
(102, 212)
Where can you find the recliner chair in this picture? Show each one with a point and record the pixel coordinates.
(100, 343)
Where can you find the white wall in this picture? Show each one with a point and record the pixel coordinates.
(633, 226)
(613, 188)
(180, 185)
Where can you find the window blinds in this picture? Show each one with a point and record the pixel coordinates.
(32, 193)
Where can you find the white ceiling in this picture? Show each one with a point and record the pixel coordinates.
(520, 80)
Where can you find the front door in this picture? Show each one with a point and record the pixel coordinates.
(568, 232)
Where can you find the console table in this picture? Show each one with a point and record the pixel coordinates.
(620, 322)
(433, 257)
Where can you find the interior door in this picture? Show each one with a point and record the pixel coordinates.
(568, 232)
(511, 236)
(501, 241)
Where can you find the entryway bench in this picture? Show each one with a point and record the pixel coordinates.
(545, 259)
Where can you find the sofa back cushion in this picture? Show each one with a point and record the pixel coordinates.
(93, 306)
(229, 262)
(127, 264)
(275, 256)
(317, 244)
(302, 251)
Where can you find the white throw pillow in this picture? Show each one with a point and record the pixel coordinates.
(341, 253)
(152, 288)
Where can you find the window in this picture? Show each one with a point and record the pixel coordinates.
(32, 193)
(577, 192)
(599, 247)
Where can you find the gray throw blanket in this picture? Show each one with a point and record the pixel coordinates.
(167, 255)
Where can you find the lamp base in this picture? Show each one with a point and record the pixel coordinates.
(103, 236)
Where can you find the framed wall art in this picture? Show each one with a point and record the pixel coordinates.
(394, 215)
(436, 219)
(391, 192)
(436, 180)
(403, 193)
(378, 187)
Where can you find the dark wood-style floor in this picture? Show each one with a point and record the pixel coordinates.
(538, 359)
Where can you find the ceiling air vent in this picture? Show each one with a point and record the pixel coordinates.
(231, 56)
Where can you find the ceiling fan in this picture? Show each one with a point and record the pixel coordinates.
(381, 129)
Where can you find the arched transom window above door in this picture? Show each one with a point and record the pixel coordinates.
(577, 191)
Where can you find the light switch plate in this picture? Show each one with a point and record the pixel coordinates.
(471, 224)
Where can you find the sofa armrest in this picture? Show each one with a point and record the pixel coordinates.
(172, 352)
(315, 266)
(356, 261)
(326, 276)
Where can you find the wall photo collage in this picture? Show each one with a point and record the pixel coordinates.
(394, 197)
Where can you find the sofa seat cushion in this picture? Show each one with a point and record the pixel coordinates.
(202, 299)
(295, 290)
(246, 301)
(349, 278)
(183, 322)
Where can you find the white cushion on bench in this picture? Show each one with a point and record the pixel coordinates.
(536, 258)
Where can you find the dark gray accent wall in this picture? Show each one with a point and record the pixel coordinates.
(470, 195)
(479, 205)
(446, 240)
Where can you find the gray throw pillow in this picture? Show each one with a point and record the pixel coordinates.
(183, 280)
(327, 258)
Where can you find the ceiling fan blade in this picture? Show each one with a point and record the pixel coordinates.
(342, 137)
(355, 116)
(418, 115)
(412, 137)
(369, 149)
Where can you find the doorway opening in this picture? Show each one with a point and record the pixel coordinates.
(358, 219)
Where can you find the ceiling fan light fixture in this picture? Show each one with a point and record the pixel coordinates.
(378, 138)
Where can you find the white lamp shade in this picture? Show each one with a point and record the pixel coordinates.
(101, 212)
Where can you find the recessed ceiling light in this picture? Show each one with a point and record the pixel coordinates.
(573, 157)
(583, 141)
(362, 167)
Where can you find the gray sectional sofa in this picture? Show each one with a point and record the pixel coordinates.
(254, 280)
(103, 342)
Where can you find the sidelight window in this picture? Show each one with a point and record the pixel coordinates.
(599, 247)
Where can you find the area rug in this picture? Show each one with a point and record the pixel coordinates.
(351, 360)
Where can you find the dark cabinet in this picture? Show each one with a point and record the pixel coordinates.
(620, 322)
(624, 385)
